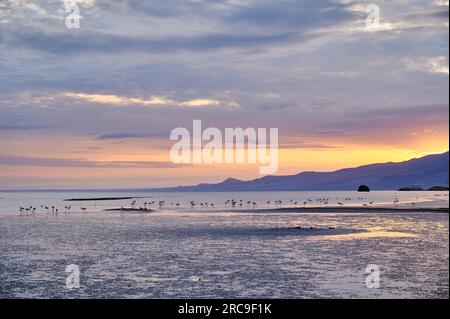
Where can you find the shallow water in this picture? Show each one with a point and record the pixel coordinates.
(225, 253)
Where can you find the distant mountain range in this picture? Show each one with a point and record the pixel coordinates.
(425, 172)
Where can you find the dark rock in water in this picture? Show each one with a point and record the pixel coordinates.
(438, 188)
(411, 189)
(363, 188)
(306, 228)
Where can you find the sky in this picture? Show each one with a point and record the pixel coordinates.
(93, 107)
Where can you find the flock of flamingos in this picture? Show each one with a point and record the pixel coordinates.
(229, 203)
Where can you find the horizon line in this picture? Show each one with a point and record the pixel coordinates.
(166, 188)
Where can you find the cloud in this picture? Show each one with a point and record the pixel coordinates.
(301, 15)
(137, 68)
(416, 111)
(200, 102)
(438, 65)
(304, 145)
(99, 42)
(388, 119)
(440, 3)
(118, 100)
(13, 127)
(59, 162)
(124, 135)
(111, 99)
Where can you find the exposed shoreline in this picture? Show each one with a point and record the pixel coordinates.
(330, 209)
(96, 199)
(336, 209)
(125, 209)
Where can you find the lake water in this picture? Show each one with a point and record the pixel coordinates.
(221, 251)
